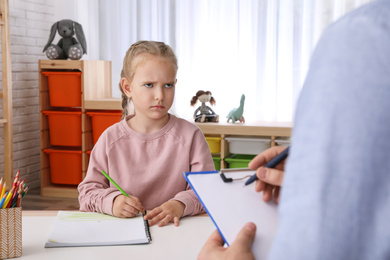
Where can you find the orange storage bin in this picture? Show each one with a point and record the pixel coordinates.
(64, 127)
(65, 166)
(101, 120)
(64, 88)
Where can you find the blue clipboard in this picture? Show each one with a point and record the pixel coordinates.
(231, 205)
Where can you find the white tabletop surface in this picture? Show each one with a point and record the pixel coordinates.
(169, 242)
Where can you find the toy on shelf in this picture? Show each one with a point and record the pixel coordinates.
(236, 114)
(67, 46)
(204, 113)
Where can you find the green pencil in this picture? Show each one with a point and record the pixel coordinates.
(116, 185)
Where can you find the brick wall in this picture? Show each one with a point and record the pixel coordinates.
(30, 22)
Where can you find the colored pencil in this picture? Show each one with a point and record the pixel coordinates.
(3, 190)
(2, 200)
(9, 196)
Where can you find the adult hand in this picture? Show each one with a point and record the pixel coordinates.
(239, 249)
(127, 207)
(170, 211)
(269, 180)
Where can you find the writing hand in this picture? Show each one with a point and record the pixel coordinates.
(239, 249)
(170, 211)
(126, 207)
(269, 180)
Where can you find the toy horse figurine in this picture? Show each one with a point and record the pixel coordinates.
(236, 114)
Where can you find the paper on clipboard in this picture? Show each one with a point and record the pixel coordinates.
(231, 206)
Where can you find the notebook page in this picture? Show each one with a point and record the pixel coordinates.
(88, 228)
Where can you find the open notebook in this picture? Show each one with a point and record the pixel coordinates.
(95, 229)
(230, 205)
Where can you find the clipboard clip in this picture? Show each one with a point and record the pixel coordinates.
(227, 180)
(224, 177)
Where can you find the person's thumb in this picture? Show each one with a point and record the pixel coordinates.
(246, 236)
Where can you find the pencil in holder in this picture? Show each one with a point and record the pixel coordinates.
(10, 232)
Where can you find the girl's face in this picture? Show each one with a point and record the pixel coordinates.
(152, 89)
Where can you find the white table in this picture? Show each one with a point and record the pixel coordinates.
(169, 242)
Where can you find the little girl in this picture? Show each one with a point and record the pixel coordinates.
(147, 152)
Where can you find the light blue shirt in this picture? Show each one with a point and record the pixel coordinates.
(335, 202)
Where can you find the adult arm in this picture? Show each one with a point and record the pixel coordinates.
(337, 176)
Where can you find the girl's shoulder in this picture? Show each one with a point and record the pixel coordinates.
(185, 124)
(183, 128)
(114, 132)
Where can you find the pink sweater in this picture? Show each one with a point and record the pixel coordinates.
(148, 166)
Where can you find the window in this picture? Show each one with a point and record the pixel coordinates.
(230, 47)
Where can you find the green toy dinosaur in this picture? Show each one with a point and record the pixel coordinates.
(236, 113)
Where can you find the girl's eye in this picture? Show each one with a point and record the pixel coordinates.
(168, 85)
(148, 85)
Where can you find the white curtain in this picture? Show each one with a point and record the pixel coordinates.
(260, 48)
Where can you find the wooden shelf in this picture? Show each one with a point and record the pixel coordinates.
(60, 64)
(103, 104)
(60, 191)
(258, 128)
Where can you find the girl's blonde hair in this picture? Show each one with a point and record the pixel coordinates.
(159, 49)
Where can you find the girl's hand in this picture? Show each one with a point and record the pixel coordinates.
(170, 211)
(127, 207)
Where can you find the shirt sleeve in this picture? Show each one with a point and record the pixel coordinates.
(200, 160)
(95, 193)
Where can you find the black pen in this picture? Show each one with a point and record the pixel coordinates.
(271, 164)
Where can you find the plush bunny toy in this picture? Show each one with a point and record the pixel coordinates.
(68, 46)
